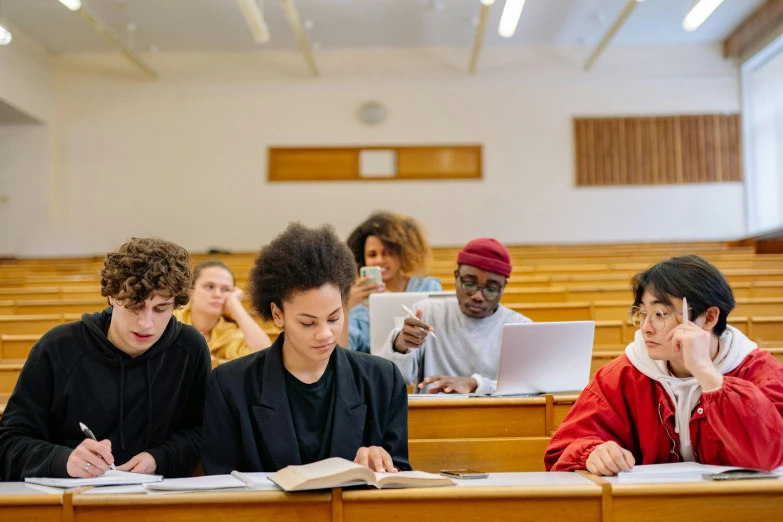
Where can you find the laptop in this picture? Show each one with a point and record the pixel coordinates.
(540, 358)
(386, 313)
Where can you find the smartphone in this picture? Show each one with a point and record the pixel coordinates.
(740, 474)
(372, 271)
(462, 474)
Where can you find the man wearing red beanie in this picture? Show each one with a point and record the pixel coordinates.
(463, 355)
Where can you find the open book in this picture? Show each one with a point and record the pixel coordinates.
(336, 472)
(110, 478)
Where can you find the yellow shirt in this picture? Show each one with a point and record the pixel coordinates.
(226, 340)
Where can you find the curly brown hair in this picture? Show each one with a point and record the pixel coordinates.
(144, 267)
(298, 260)
(401, 235)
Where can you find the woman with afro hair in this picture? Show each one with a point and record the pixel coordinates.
(397, 245)
(304, 399)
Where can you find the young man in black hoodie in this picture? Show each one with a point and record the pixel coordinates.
(133, 374)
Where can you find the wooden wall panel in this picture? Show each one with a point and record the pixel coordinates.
(439, 162)
(342, 163)
(658, 150)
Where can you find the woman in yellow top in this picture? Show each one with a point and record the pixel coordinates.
(215, 309)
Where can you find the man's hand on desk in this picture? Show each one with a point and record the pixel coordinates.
(445, 384)
(609, 459)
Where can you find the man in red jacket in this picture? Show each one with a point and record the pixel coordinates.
(698, 392)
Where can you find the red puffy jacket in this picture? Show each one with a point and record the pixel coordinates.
(740, 424)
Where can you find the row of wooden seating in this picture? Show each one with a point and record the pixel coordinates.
(609, 335)
(611, 310)
(519, 290)
(736, 272)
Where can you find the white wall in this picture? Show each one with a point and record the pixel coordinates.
(185, 157)
(25, 181)
(762, 84)
(25, 79)
(25, 85)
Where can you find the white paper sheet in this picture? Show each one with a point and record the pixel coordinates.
(110, 478)
(116, 490)
(208, 483)
(527, 479)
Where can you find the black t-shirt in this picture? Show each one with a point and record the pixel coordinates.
(312, 408)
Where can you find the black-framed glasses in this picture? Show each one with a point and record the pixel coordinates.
(657, 320)
(470, 288)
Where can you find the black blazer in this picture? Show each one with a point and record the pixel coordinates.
(247, 418)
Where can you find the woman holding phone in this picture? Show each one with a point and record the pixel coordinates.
(389, 250)
(690, 388)
(304, 399)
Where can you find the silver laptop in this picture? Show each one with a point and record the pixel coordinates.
(545, 357)
(386, 313)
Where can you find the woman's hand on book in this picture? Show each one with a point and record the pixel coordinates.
(376, 458)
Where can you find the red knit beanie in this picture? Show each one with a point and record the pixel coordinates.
(486, 254)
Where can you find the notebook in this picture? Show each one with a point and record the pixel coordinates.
(208, 483)
(673, 472)
(110, 478)
(338, 472)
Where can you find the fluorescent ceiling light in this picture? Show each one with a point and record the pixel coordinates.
(487, 2)
(73, 5)
(510, 18)
(699, 13)
(5, 36)
(255, 20)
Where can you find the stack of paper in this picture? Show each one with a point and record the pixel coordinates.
(208, 483)
(110, 478)
(676, 472)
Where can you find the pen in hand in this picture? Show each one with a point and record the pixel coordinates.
(89, 434)
(411, 314)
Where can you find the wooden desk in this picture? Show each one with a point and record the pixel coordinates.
(477, 418)
(490, 454)
(20, 502)
(537, 499)
(245, 506)
(748, 501)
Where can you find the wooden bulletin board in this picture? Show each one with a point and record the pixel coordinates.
(436, 162)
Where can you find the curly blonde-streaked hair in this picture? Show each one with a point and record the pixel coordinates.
(144, 267)
(401, 235)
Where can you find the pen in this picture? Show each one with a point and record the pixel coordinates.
(246, 481)
(89, 434)
(685, 311)
(411, 314)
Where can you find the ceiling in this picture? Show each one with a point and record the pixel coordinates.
(217, 25)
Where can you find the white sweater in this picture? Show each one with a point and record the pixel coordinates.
(685, 393)
(465, 346)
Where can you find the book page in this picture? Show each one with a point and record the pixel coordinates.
(325, 468)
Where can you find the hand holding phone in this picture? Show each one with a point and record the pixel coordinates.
(370, 281)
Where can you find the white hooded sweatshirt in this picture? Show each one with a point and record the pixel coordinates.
(685, 393)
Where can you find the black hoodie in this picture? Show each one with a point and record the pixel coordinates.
(153, 402)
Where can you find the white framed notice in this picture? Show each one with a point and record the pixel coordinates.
(377, 163)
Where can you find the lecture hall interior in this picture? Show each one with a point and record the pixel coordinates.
(566, 162)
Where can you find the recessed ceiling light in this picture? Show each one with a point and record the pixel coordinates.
(5, 36)
(73, 5)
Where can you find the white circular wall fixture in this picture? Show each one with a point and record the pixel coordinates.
(372, 113)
